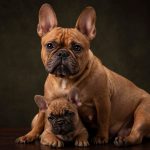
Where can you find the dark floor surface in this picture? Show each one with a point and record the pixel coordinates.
(8, 136)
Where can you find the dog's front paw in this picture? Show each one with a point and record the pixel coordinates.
(53, 142)
(127, 140)
(120, 141)
(100, 140)
(81, 142)
(26, 139)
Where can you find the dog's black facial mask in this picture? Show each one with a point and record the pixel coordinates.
(62, 124)
(62, 58)
(62, 63)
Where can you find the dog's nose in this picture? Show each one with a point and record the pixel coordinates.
(63, 54)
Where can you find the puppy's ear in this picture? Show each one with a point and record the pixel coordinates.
(47, 19)
(86, 22)
(41, 102)
(74, 96)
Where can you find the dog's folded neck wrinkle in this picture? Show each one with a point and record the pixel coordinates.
(84, 73)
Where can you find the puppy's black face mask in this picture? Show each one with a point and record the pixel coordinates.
(62, 124)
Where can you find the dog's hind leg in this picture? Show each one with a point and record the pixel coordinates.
(141, 126)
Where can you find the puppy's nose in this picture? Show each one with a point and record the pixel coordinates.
(63, 54)
(60, 121)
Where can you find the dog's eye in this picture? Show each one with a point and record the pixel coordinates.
(50, 46)
(76, 47)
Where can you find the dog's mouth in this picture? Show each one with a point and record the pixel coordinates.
(62, 68)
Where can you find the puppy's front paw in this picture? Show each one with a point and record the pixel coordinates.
(53, 142)
(28, 138)
(81, 142)
(100, 140)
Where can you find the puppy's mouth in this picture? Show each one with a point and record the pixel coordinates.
(62, 67)
(63, 129)
(62, 124)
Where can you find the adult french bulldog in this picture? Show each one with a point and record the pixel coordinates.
(113, 103)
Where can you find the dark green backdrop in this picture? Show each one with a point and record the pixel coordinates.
(122, 43)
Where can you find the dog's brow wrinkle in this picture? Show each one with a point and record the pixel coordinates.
(66, 36)
(61, 38)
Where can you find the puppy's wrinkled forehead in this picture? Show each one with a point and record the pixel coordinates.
(65, 36)
(59, 106)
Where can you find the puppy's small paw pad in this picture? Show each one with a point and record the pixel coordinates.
(25, 139)
(52, 143)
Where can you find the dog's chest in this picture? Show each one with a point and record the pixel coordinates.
(63, 87)
(63, 84)
(88, 113)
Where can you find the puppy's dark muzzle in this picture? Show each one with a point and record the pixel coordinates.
(60, 122)
(62, 127)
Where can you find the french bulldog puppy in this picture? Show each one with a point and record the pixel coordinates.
(62, 123)
(114, 101)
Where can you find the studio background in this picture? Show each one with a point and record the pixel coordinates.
(122, 43)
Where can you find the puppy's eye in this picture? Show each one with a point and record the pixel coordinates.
(50, 46)
(71, 113)
(76, 47)
(51, 117)
(68, 113)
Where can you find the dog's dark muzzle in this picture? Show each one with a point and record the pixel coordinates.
(62, 64)
(63, 54)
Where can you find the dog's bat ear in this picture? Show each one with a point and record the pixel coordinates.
(47, 19)
(41, 102)
(74, 96)
(86, 22)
